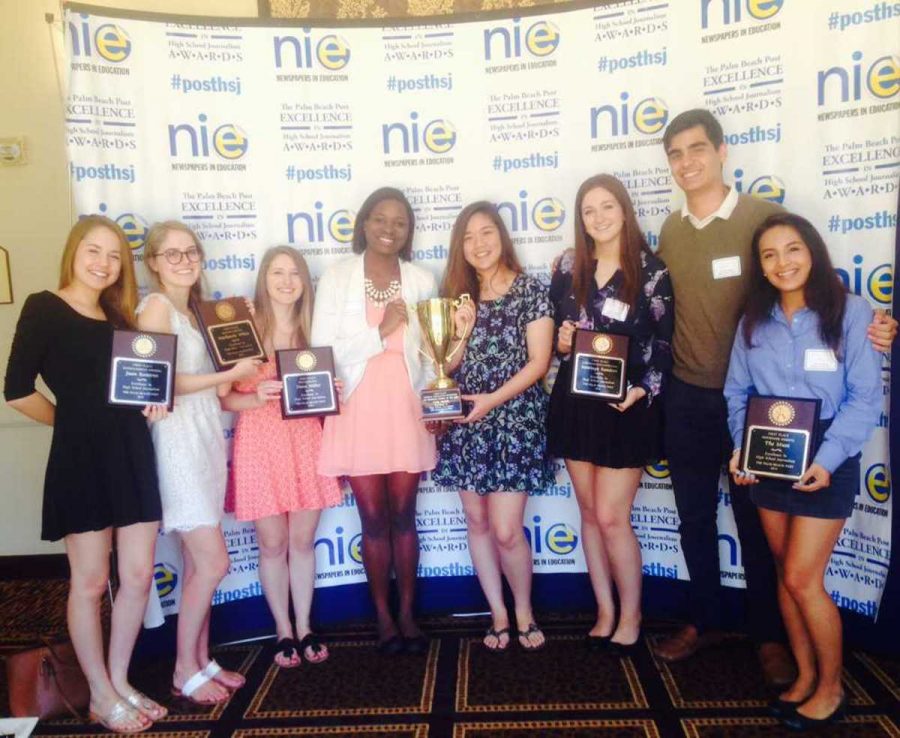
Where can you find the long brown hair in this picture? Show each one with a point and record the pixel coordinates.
(631, 240)
(155, 237)
(120, 298)
(301, 314)
(460, 276)
(824, 292)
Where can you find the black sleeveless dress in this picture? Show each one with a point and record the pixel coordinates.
(101, 471)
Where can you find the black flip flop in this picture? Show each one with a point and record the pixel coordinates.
(311, 641)
(288, 647)
(497, 633)
(532, 628)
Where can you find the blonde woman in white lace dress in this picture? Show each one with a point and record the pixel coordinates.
(191, 455)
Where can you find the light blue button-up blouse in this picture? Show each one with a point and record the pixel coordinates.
(779, 362)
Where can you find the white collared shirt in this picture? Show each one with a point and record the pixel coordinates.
(724, 212)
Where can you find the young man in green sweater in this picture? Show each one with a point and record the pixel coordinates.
(706, 246)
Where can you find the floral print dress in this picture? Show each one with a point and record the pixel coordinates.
(506, 449)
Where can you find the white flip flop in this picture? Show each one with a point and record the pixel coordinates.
(213, 668)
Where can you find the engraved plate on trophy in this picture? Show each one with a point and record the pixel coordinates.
(142, 369)
(229, 331)
(599, 365)
(307, 382)
(779, 433)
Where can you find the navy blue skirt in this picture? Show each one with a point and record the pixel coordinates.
(833, 502)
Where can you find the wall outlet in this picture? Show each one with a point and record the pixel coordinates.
(12, 151)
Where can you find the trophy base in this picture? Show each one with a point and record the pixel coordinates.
(442, 404)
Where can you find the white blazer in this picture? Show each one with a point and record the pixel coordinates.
(339, 321)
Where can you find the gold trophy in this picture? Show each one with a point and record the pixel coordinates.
(442, 399)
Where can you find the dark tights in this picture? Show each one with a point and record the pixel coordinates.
(387, 510)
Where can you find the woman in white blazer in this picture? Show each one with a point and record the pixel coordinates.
(365, 310)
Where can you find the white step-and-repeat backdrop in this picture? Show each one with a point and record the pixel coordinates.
(258, 136)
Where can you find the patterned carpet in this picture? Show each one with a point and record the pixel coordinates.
(459, 690)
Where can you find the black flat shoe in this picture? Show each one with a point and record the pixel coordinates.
(416, 645)
(596, 644)
(624, 649)
(782, 708)
(391, 647)
(799, 722)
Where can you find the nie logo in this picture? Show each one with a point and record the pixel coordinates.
(437, 136)
(879, 280)
(560, 538)
(730, 11)
(339, 225)
(878, 483)
(766, 187)
(109, 41)
(338, 550)
(134, 226)
(540, 39)
(228, 141)
(882, 79)
(648, 116)
(331, 52)
(658, 471)
(547, 214)
(166, 579)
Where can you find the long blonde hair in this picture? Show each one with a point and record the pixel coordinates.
(155, 237)
(120, 298)
(301, 315)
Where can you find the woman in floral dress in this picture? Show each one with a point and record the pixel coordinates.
(496, 455)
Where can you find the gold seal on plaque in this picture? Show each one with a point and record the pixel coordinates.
(143, 346)
(306, 361)
(225, 311)
(602, 344)
(781, 413)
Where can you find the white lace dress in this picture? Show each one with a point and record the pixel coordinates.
(191, 456)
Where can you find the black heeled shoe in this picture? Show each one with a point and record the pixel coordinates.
(596, 644)
(800, 722)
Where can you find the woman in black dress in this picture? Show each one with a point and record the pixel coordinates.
(612, 283)
(101, 474)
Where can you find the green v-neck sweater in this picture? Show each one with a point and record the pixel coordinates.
(707, 310)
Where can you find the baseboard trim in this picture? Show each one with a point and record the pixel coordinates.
(38, 566)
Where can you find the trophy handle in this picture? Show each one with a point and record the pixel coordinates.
(458, 303)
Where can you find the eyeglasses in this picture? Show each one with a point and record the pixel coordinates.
(174, 256)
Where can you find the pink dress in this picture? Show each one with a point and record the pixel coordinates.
(379, 429)
(273, 466)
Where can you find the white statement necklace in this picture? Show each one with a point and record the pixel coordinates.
(380, 298)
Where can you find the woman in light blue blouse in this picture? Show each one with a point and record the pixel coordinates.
(803, 336)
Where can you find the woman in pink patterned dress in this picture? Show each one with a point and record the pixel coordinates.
(274, 481)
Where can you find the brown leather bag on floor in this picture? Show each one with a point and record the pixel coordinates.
(47, 682)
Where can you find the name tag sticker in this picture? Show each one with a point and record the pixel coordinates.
(614, 309)
(819, 360)
(727, 266)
